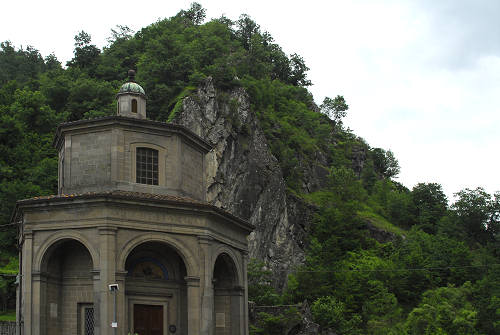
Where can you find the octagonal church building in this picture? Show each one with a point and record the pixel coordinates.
(129, 244)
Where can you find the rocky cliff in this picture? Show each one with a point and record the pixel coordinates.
(246, 179)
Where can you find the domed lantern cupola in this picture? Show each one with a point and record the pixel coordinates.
(131, 99)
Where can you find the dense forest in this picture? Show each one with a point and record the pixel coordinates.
(438, 273)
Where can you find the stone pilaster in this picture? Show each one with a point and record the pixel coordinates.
(27, 294)
(244, 315)
(38, 302)
(194, 304)
(107, 261)
(207, 311)
(121, 301)
(238, 310)
(96, 280)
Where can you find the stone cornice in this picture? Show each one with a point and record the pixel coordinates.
(131, 198)
(130, 123)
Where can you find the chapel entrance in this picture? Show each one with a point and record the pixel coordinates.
(148, 319)
(155, 290)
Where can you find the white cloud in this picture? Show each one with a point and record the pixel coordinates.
(421, 78)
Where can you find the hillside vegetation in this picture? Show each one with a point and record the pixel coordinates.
(438, 274)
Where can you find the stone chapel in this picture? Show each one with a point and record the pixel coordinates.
(130, 244)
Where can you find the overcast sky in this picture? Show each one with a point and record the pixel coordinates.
(422, 78)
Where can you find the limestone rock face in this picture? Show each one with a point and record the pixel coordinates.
(245, 178)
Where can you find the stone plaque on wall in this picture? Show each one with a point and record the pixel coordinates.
(220, 320)
(53, 310)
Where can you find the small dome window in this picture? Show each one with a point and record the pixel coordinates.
(134, 106)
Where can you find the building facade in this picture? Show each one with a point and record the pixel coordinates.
(129, 244)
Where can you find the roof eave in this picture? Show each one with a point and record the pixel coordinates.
(244, 224)
(116, 119)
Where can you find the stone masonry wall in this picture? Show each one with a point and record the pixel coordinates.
(69, 283)
(192, 163)
(223, 306)
(74, 292)
(90, 159)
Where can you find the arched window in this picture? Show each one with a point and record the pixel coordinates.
(134, 105)
(147, 166)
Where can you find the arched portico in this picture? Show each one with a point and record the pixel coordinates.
(65, 288)
(54, 239)
(235, 258)
(228, 295)
(155, 289)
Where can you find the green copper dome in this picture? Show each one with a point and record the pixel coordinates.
(131, 86)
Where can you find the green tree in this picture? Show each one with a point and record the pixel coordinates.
(298, 71)
(269, 324)
(486, 298)
(448, 262)
(335, 109)
(86, 55)
(195, 14)
(121, 33)
(477, 213)
(385, 163)
(246, 28)
(52, 63)
(331, 313)
(22, 65)
(430, 205)
(445, 310)
(260, 289)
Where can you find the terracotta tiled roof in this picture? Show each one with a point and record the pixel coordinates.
(119, 194)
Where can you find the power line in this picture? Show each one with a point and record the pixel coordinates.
(8, 274)
(9, 224)
(391, 270)
(296, 305)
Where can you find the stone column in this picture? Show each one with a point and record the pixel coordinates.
(237, 296)
(244, 315)
(193, 302)
(123, 322)
(18, 305)
(207, 311)
(27, 283)
(107, 263)
(38, 302)
(96, 280)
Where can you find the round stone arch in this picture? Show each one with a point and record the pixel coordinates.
(182, 249)
(224, 249)
(65, 235)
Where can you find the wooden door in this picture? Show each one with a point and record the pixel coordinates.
(148, 319)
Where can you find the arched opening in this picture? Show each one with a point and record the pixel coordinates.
(134, 105)
(227, 296)
(67, 289)
(155, 289)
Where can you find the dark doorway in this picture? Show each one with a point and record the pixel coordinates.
(148, 320)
